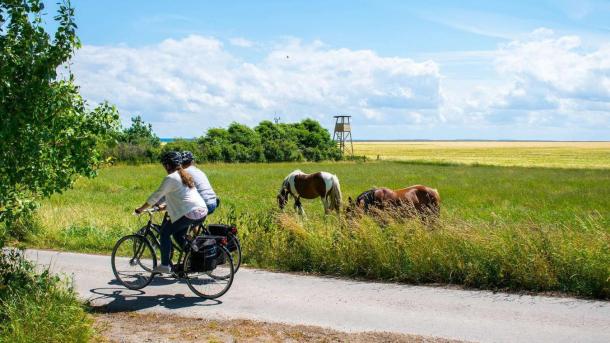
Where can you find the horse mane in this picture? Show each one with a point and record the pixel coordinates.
(285, 182)
(368, 197)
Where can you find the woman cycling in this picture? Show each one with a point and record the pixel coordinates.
(201, 181)
(184, 205)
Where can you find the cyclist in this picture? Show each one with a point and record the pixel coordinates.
(184, 205)
(201, 181)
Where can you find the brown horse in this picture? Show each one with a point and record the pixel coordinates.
(417, 200)
(310, 186)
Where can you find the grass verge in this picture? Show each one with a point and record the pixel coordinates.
(37, 306)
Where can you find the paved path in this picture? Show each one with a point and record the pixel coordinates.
(350, 305)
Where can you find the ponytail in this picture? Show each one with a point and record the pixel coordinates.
(186, 178)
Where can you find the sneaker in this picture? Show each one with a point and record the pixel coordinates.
(161, 269)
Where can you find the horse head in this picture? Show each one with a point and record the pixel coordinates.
(282, 198)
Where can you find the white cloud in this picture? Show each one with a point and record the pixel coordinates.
(241, 42)
(543, 80)
(186, 86)
(543, 83)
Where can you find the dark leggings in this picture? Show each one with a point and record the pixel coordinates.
(178, 229)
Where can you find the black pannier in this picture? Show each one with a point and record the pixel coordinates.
(224, 230)
(219, 229)
(204, 255)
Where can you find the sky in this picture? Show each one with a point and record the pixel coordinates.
(523, 70)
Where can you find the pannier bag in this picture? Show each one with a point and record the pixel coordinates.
(203, 257)
(227, 231)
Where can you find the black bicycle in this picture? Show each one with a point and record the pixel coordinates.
(204, 261)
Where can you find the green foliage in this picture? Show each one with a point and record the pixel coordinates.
(140, 133)
(38, 307)
(268, 142)
(181, 144)
(47, 134)
(134, 144)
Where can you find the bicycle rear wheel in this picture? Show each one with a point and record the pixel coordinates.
(133, 260)
(235, 254)
(210, 284)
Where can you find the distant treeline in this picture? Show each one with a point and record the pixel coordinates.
(267, 142)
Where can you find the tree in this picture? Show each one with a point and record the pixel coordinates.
(48, 136)
(140, 133)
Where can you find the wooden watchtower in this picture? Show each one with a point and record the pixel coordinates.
(343, 133)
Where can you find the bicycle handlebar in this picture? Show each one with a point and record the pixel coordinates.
(149, 211)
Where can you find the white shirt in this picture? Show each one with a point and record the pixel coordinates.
(179, 198)
(203, 185)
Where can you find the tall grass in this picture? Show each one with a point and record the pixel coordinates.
(501, 228)
(487, 255)
(37, 306)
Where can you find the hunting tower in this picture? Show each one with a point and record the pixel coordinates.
(343, 133)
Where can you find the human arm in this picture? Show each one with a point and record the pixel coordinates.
(157, 197)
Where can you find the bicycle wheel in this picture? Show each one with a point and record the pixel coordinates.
(235, 254)
(210, 284)
(133, 260)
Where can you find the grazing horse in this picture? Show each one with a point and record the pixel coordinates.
(310, 186)
(417, 200)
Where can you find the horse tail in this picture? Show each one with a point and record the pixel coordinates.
(335, 194)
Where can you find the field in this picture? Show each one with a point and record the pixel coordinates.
(537, 229)
(525, 154)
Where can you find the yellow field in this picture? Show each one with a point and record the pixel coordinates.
(582, 155)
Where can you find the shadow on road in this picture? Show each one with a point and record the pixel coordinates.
(121, 299)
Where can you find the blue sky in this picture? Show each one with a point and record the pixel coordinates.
(403, 69)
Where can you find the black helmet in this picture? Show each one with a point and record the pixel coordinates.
(187, 157)
(172, 158)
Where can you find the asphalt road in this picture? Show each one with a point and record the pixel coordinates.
(349, 305)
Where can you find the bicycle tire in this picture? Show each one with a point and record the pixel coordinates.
(141, 244)
(236, 255)
(193, 283)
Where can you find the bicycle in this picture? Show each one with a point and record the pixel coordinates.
(203, 262)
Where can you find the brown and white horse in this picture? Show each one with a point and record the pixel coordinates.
(310, 186)
(416, 200)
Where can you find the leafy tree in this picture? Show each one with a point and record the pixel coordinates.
(246, 143)
(278, 143)
(140, 133)
(214, 143)
(47, 135)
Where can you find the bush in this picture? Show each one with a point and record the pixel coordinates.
(38, 307)
(267, 142)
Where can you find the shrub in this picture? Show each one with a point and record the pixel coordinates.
(267, 142)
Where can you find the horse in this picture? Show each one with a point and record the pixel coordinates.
(310, 186)
(416, 200)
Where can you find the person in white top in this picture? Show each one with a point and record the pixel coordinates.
(184, 205)
(201, 181)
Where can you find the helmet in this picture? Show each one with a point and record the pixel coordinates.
(172, 158)
(187, 157)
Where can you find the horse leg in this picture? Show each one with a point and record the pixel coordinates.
(325, 203)
(298, 206)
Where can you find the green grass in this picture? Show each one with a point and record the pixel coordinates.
(38, 307)
(513, 228)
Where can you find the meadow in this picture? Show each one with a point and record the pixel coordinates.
(526, 154)
(513, 228)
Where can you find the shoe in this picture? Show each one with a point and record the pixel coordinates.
(161, 269)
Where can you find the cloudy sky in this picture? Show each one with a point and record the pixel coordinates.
(402, 69)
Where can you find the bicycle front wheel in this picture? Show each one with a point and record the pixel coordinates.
(133, 260)
(214, 283)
